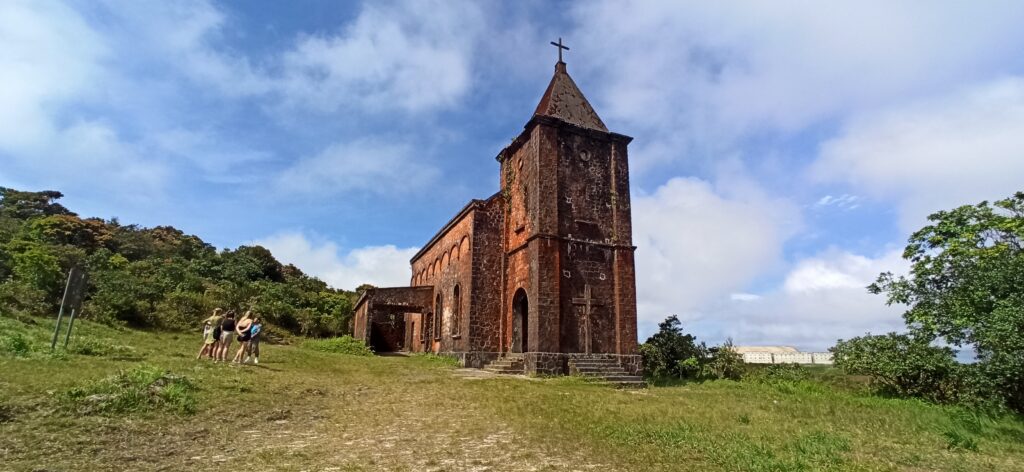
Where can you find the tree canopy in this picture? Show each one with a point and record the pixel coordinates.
(151, 277)
(966, 288)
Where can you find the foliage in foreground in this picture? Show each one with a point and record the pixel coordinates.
(672, 354)
(965, 288)
(150, 277)
(143, 388)
(340, 345)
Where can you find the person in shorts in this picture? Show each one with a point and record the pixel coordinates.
(242, 328)
(227, 329)
(254, 341)
(211, 334)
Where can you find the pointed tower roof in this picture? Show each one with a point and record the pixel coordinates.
(563, 100)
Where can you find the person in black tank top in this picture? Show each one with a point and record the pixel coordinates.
(227, 328)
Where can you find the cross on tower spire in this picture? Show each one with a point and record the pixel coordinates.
(560, 48)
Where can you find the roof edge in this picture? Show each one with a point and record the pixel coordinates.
(472, 205)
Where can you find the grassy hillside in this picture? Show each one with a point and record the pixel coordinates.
(304, 409)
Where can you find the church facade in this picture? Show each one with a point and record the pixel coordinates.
(542, 270)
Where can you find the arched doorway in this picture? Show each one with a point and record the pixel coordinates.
(520, 322)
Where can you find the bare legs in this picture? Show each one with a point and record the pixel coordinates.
(241, 350)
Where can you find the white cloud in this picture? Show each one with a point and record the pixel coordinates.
(185, 37)
(52, 60)
(365, 165)
(696, 244)
(935, 154)
(382, 266)
(49, 55)
(844, 201)
(697, 75)
(411, 56)
(823, 298)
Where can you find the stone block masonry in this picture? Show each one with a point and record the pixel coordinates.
(544, 268)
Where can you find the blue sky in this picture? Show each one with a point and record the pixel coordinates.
(783, 152)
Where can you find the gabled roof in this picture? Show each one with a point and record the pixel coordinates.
(564, 100)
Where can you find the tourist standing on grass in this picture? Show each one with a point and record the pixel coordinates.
(254, 341)
(242, 328)
(227, 328)
(211, 334)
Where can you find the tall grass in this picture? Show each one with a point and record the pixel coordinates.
(340, 345)
(143, 388)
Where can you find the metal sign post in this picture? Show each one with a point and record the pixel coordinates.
(74, 293)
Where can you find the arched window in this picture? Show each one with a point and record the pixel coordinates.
(456, 312)
(438, 314)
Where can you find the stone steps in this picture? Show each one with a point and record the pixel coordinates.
(510, 364)
(607, 370)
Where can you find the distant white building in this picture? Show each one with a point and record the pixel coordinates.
(781, 355)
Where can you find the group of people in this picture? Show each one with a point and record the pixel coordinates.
(219, 329)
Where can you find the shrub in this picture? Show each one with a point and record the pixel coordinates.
(723, 363)
(900, 365)
(141, 389)
(16, 344)
(340, 345)
(670, 353)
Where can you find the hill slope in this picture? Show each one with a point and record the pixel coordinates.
(306, 410)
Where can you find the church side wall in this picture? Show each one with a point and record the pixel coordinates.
(485, 302)
(445, 265)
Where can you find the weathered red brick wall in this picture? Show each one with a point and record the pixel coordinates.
(568, 228)
(445, 264)
(381, 313)
(359, 322)
(488, 252)
(596, 250)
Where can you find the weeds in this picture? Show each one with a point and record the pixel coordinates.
(340, 345)
(141, 389)
(16, 344)
(96, 347)
(960, 440)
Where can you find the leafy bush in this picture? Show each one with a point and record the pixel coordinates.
(723, 363)
(900, 364)
(16, 344)
(340, 345)
(671, 354)
(144, 388)
(966, 287)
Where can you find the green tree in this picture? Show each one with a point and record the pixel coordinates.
(26, 205)
(670, 353)
(899, 364)
(966, 287)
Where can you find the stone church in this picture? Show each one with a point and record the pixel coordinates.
(539, 277)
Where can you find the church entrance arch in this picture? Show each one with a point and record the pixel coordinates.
(520, 321)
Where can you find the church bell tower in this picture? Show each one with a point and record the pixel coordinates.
(569, 285)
